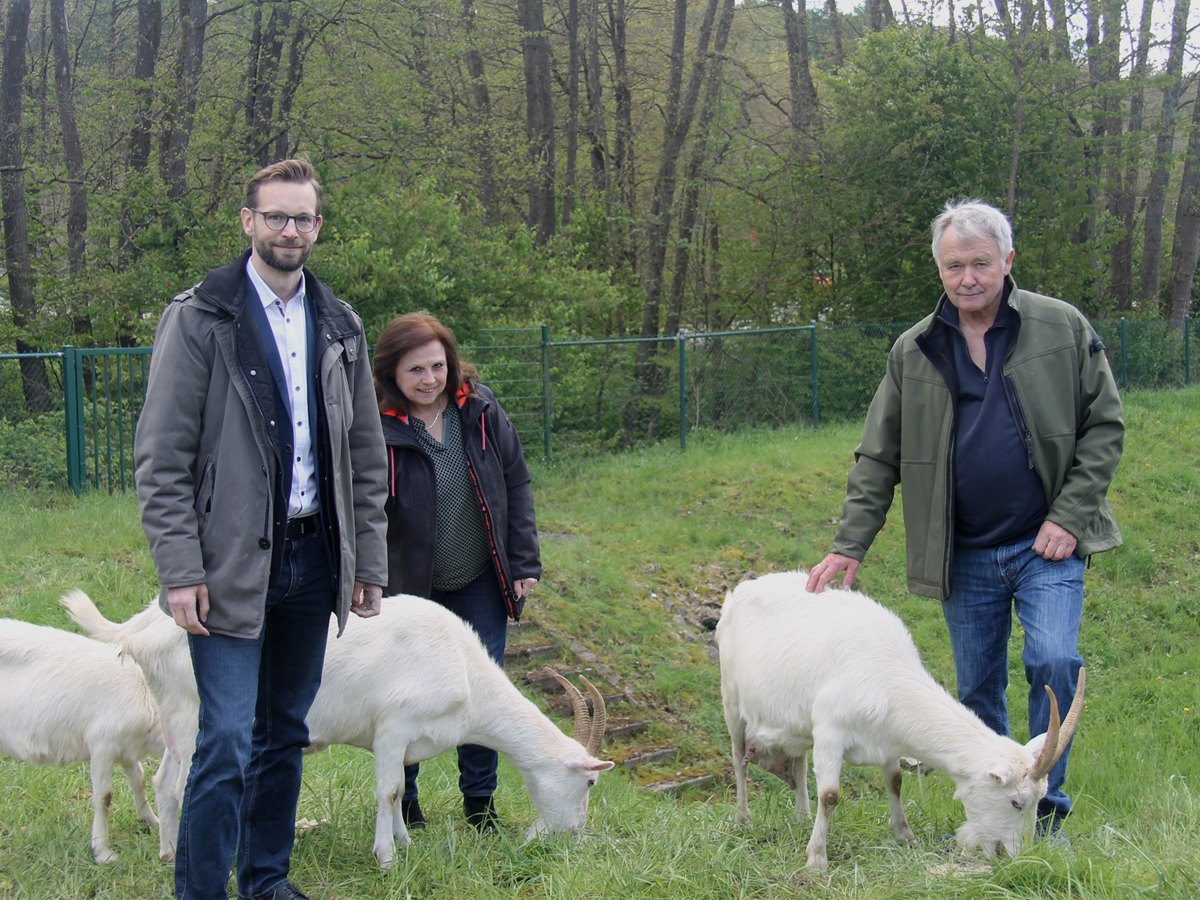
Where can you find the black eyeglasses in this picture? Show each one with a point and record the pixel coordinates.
(278, 221)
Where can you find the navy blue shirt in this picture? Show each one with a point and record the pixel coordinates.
(998, 497)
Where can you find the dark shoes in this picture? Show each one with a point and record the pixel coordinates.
(413, 816)
(1049, 829)
(285, 890)
(481, 813)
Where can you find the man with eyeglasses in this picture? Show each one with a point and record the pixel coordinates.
(261, 474)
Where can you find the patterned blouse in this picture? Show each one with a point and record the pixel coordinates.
(460, 548)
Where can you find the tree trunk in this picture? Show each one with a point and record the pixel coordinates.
(34, 383)
(539, 118)
(568, 188)
(1089, 226)
(287, 95)
(805, 117)
(1120, 263)
(1160, 173)
(880, 14)
(1060, 39)
(697, 163)
(597, 133)
(77, 207)
(623, 163)
(149, 33)
(1016, 34)
(266, 52)
(1126, 198)
(1186, 248)
(679, 113)
(680, 109)
(481, 111)
(180, 113)
(838, 32)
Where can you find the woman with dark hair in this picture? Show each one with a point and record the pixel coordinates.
(461, 525)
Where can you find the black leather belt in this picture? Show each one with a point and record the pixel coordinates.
(298, 528)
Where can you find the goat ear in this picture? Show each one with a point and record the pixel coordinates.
(1001, 774)
(1034, 747)
(591, 764)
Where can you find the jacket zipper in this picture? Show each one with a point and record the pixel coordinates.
(1018, 414)
(509, 601)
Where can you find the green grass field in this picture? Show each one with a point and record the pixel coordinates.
(629, 541)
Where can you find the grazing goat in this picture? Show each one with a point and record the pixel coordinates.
(838, 674)
(407, 685)
(65, 698)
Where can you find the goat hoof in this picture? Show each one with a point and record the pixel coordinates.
(105, 856)
(384, 856)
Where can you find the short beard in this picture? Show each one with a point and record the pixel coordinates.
(267, 254)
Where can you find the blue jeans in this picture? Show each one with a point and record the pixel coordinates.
(254, 695)
(986, 583)
(481, 605)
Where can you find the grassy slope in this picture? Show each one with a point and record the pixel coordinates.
(627, 540)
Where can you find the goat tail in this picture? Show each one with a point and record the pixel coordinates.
(84, 613)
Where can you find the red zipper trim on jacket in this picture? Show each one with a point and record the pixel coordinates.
(507, 589)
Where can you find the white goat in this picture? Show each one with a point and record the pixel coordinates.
(408, 685)
(838, 674)
(65, 698)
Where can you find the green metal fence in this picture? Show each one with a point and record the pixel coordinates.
(566, 397)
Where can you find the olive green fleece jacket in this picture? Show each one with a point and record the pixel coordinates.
(1063, 397)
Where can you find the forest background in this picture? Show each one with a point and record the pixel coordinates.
(608, 168)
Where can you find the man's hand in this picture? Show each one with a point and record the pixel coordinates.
(1054, 542)
(824, 572)
(523, 586)
(367, 600)
(189, 608)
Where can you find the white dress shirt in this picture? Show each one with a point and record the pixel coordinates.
(288, 320)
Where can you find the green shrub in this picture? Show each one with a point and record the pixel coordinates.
(33, 453)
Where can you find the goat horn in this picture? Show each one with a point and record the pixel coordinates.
(1058, 738)
(1068, 724)
(583, 725)
(599, 718)
(1045, 761)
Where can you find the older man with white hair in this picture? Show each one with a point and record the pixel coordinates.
(1000, 416)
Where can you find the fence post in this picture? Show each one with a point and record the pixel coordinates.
(73, 414)
(681, 343)
(816, 378)
(547, 418)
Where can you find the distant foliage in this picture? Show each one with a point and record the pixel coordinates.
(1148, 353)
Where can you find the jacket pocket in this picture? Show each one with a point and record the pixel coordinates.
(204, 494)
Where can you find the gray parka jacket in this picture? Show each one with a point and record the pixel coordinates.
(1063, 397)
(206, 466)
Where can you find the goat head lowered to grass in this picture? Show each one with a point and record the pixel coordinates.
(837, 674)
(407, 684)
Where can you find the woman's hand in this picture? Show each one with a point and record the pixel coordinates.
(523, 586)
